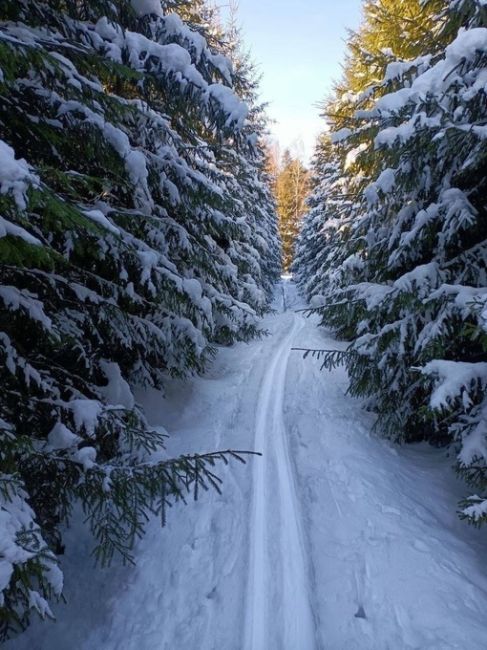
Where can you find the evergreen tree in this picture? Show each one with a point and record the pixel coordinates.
(255, 182)
(129, 245)
(412, 150)
(292, 186)
(324, 226)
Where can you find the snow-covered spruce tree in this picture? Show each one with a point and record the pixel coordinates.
(416, 310)
(317, 265)
(253, 182)
(308, 242)
(389, 29)
(125, 251)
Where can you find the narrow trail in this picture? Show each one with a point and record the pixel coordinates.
(279, 614)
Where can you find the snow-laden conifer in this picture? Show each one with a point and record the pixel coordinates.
(412, 147)
(129, 244)
(317, 266)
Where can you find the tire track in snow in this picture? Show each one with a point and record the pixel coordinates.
(279, 614)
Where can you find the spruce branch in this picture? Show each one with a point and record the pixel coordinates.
(331, 359)
(308, 311)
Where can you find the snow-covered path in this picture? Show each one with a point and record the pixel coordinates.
(333, 540)
(278, 594)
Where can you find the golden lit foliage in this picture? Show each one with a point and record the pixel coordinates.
(390, 30)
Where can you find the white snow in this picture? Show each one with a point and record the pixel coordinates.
(474, 444)
(477, 510)
(465, 297)
(106, 29)
(194, 289)
(15, 175)
(86, 413)
(334, 539)
(353, 154)
(235, 108)
(454, 377)
(61, 437)
(16, 517)
(467, 45)
(278, 567)
(423, 277)
(145, 7)
(15, 300)
(397, 69)
(439, 76)
(85, 456)
(340, 135)
(8, 228)
(117, 391)
(385, 183)
(393, 102)
(101, 220)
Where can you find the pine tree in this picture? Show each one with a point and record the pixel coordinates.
(126, 252)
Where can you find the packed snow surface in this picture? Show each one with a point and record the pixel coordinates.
(334, 539)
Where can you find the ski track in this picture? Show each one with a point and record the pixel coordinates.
(276, 531)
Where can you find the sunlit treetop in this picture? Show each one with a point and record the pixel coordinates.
(390, 30)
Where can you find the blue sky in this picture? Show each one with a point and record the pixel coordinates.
(299, 46)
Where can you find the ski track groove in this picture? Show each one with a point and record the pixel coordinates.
(275, 526)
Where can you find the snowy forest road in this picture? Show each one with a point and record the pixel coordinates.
(334, 540)
(278, 573)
